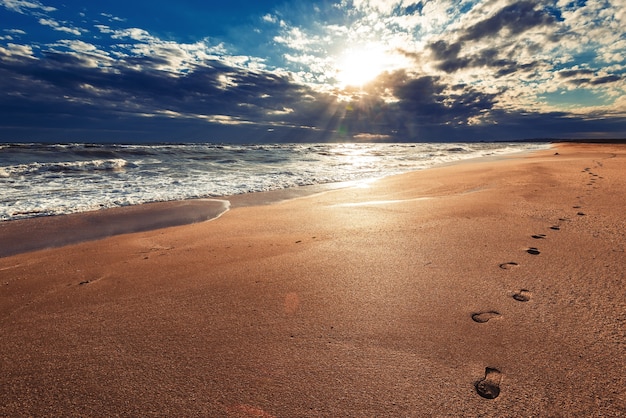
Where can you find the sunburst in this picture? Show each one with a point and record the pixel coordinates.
(357, 66)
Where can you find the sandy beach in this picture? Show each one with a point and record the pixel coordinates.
(486, 288)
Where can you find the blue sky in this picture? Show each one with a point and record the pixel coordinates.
(344, 70)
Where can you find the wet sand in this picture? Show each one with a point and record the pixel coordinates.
(56, 231)
(479, 289)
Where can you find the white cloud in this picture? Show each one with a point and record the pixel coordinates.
(21, 6)
(112, 17)
(104, 29)
(223, 119)
(15, 31)
(136, 34)
(297, 39)
(269, 18)
(280, 112)
(89, 53)
(384, 6)
(14, 51)
(79, 46)
(57, 26)
(239, 61)
(172, 56)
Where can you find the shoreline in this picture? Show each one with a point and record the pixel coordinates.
(486, 289)
(45, 232)
(27, 235)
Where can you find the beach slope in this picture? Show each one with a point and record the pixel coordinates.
(485, 288)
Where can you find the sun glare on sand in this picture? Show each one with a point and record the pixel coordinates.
(359, 65)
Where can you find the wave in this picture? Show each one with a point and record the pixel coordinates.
(116, 164)
(45, 179)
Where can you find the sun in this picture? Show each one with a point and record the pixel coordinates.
(357, 66)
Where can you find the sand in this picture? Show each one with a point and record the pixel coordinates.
(486, 288)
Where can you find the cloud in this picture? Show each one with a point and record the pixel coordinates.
(136, 34)
(148, 84)
(450, 61)
(59, 27)
(507, 23)
(14, 31)
(24, 6)
(269, 18)
(112, 18)
(461, 70)
(428, 99)
(513, 19)
(588, 77)
(15, 52)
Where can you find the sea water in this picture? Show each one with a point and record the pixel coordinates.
(51, 179)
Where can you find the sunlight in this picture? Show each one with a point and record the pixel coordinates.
(357, 66)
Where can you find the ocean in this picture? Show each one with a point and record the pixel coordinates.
(53, 179)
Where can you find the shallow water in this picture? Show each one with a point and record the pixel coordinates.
(52, 179)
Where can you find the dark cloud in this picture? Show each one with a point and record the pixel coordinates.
(65, 97)
(135, 85)
(428, 100)
(421, 103)
(66, 90)
(586, 76)
(607, 79)
(448, 55)
(71, 94)
(574, 73)
(515, 19)
(450, 61)
(443, 51)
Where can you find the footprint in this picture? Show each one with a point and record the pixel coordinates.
(533, 251)
(522, 296)
(507, 266)
(482, 317)
(489, 386)
(539, 236)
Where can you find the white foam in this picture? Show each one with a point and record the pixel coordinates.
(46, 180)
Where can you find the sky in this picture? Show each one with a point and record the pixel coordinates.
(313, 70)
